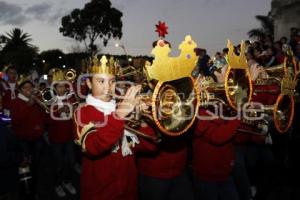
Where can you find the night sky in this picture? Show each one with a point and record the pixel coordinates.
(210, 22)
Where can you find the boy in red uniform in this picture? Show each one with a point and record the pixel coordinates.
(213, 158)
(28, 124)
(163, 174)
(61, 135)
(108, 167)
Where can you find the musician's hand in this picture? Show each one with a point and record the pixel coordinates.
(255, 71)
(220, 75)
(129, 102)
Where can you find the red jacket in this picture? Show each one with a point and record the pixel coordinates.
(60, 130)
(27, 121)
(243, 137)
(105, 175)
(213, 150)
(168, 162)
(268, 94)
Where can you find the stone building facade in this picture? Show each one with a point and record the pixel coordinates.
(286, 14)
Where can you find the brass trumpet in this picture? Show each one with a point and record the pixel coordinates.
(48, 97)
(70, 75)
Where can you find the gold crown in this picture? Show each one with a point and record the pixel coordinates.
(165, 68)
(58, 75)
(288, 85)
(23, 78)
(102, 66)
(234, 61)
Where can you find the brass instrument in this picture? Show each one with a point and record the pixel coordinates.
(70, 75)
(236, 90)
(44, 98)
(276, 73)
(283, 79)
(172, 106)
(281, 112)
(127, 71)
(173, 98)
(48, 97)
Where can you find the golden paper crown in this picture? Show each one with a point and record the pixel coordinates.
(234, 61)
(288, 85)
(102, 66)
(58, 75)
(165, 68)
(23, 78)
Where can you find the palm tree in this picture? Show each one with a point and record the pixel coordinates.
(18, 51)
(267, 27)
(17, 38)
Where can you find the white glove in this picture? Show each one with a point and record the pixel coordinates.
(268, 139)
(125, 145)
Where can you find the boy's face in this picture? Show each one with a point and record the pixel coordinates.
(12, 75)
(102, 86)
(60, 89)
(27, 90)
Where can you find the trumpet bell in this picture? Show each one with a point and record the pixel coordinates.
(48, 96)
(283, 113)
(238, 87)
(70, 75)
(174, 105)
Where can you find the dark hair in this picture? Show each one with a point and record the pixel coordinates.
(283, 38)
(25, 82)
(165, 41)
(42, 84)
(225, 50)
(198, 51)
(10, 68)
(250, 51)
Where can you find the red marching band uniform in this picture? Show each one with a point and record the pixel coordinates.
(60, 131)
(108, 163)
(213, 149)
(168, 162)
(27, 120)
(60, 127)
(265, 98)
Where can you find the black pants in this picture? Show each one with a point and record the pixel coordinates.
(177, 188)
(218, 190)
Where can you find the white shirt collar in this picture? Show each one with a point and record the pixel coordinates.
(22, 97)
(105, 107)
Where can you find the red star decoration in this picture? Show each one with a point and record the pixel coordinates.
(161, 29)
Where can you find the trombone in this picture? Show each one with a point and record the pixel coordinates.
(48, 97)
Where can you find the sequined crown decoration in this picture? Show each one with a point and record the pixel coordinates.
(165, 68)
(58, 75)
(288, 85)
(102, 66)
(234, 61)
